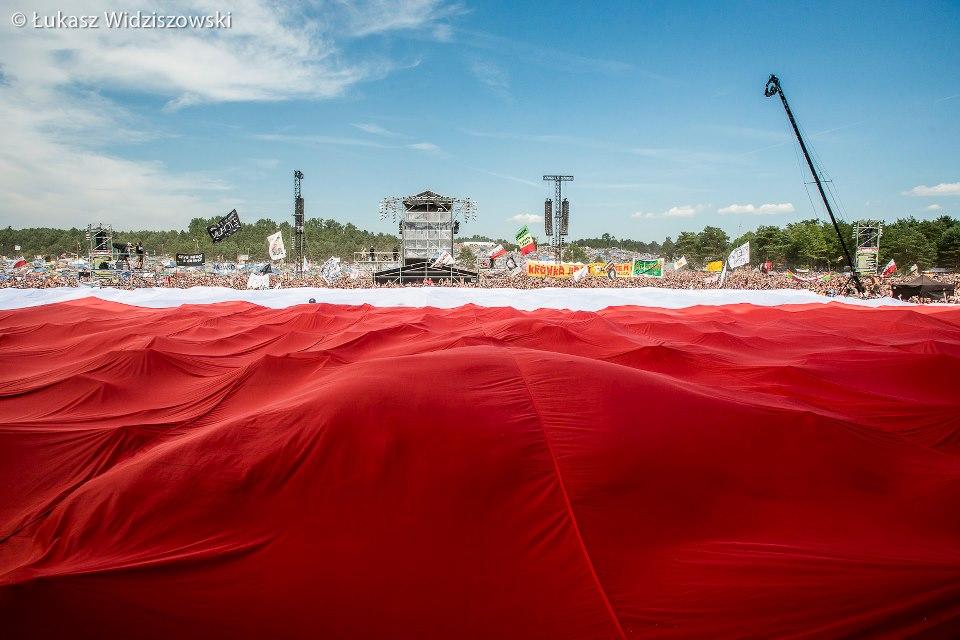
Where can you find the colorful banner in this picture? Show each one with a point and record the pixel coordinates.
(602, 269)
(537, 269)
(715, 267)
(648, 268)
(525, 240)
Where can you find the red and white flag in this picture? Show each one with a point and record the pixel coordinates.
(497, 251)
(274, 402)
(889, 269)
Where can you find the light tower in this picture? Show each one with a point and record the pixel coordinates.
(299, 240)
(556, 214)
(866, 235)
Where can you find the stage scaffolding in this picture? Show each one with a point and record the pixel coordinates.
(866, 237)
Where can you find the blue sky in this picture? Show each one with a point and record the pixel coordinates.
(656, 108)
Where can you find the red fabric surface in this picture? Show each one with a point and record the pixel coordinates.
(358, 472)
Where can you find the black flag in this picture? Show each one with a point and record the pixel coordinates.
(225, 227)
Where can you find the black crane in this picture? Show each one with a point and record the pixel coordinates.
(773, 88)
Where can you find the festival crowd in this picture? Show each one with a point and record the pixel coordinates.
(827, 284)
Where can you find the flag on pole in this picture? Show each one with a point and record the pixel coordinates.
(275, 244)
(497, 251)
(889, 269)
(739, 256)
(680, 263)
(525, 241)
(914, 268)
(580, 273)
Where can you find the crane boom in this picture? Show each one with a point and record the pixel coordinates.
(773, 88)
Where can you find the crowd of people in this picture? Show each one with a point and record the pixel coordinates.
(823, 284)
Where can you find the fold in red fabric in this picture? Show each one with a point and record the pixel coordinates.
(228, 470)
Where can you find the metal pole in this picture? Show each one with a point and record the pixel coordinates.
(557, 211)
(773, 87)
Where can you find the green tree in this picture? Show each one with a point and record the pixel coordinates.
(714, 244)
(807, 246)
(948, 249)
(688, 245)
(907, 245)
(668, 250)
(770, 243)
(466, 257)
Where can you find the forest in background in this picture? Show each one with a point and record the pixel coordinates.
(803, 244)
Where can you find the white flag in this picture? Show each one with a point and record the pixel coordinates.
(739, 256)
(258, 281)
(331, 270)
(680, 263)
(275, 244)
(580, 273)
(914, 268)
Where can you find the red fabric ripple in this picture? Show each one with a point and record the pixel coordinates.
(228, 470)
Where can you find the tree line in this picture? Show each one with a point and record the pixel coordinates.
(325, 238)
(808, 244)
(804, 244)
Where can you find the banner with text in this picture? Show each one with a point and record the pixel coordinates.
(190, 259)
(648, 268)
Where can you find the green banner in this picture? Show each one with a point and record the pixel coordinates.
(523, 237)
(648, 268)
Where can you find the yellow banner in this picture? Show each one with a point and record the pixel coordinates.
(538, 269)
(716, 265)
(600, 269)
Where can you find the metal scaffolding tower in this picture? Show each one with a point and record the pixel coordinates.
(866, 235)
(556, 214)
(299, 238)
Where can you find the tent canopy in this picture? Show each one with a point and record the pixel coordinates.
(922, 286)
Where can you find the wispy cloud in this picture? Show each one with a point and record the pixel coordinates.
(681, 211)
(369, 17)
(426, 147)
(692, 157)
(525, 218)
(320, 140)
(492, 76)
(553, 57)
(377, 130)
(503, 176)
(763, 209)
(942, 189)
(934, 207)
(59, 126)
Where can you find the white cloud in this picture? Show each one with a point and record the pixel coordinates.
(366, 17)
(934, 207)
(525, 218)
(375, 129)
(59, 129)
(427, 147)
(763, 209)
(942, 189)
(682, 211)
